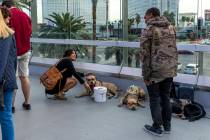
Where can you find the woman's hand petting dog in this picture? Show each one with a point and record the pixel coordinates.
(87, 87)
(91, 82)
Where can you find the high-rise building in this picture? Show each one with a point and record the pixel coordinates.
(140, 6)
(207, 17)
(76, 8)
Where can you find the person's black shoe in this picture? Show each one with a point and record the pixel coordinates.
(167, 129)
(153, 130)
(26, 106)
(13, 109)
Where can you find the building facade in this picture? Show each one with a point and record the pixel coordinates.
(207, 17)
(140, 7)
(76, 8)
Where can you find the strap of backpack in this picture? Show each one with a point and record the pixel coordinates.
(63, 70)
(60, 61)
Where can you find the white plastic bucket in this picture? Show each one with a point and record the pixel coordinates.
(100, 94)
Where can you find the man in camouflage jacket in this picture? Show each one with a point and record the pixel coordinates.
(159, 57)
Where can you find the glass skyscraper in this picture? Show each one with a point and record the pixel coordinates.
(140, 6)
(76, 8)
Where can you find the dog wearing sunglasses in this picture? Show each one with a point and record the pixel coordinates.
(133, 98)
(92, 81)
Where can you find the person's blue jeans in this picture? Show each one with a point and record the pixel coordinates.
(6, 119)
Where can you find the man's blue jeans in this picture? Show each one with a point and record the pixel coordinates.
(6, 119)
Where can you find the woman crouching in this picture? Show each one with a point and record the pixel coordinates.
(68, 81)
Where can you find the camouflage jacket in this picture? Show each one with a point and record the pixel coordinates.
(158, 51)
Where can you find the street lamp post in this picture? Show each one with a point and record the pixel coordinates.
(67, 6)
(200, 55)
(34, 16)
(107, 18)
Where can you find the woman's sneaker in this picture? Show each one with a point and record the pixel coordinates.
(153, 130)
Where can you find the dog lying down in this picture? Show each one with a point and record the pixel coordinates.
(186, 109)
(90, 78)
(133, 97)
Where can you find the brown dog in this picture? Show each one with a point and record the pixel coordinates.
(133, 97)
(93, 82)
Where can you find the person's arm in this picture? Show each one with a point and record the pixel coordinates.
(77, 76)
(74, 73)
(4, 53)
(145, 53)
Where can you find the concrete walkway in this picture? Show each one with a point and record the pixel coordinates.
(83, 119)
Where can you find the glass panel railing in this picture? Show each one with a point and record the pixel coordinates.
(188, 62)
(193, 58)
(104, 55)
(206, 63)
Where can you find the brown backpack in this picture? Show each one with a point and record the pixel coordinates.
(51, 77)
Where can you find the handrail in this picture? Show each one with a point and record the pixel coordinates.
(180, 46)
(86, 42)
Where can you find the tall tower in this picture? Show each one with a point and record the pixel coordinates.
(140, 6)
(76, 8)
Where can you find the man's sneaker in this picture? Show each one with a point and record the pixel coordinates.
(26, 106)
(153, 130)
(167, 130)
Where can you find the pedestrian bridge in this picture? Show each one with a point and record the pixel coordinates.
(83, 119)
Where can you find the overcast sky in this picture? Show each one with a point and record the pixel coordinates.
(184, 6)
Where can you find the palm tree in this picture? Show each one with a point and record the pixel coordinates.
(130, 23)
(170, 16)
(138, 20)
(94, 6)
(183, 19)
(64, 26)
(188, 19)
(117, 51)
(192, 19)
